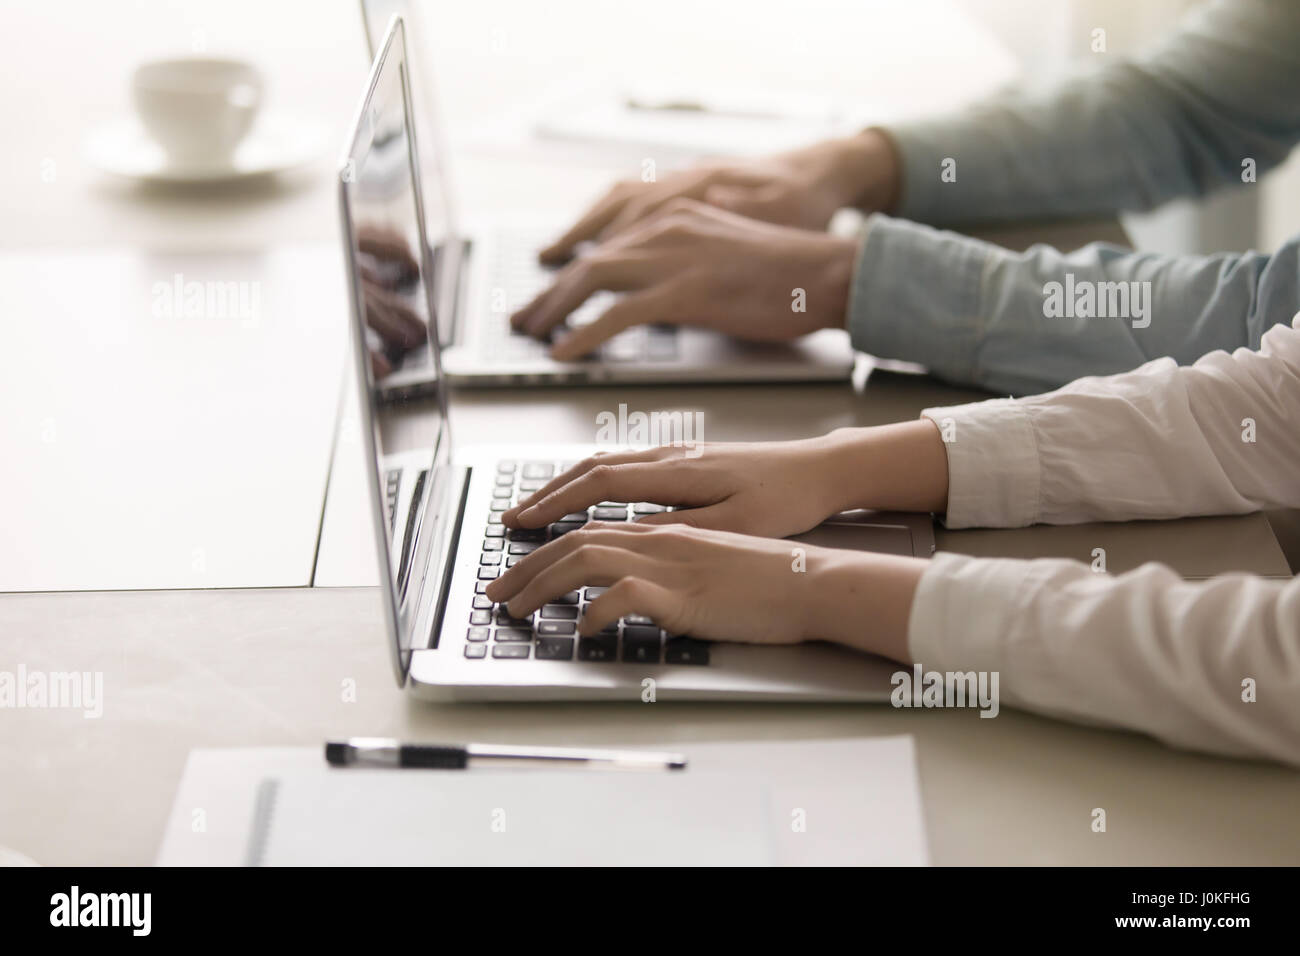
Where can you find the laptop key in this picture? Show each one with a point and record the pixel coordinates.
(599, 648)
(476, 652)
(637, 619)
(516, 651)
(555, 649)
(559, 612)
(538, 469)
(500, 504)
(564, 527)
(480, 617)
(536, 535)
(494, 544)
(489, 557)
(646, 508)
(570, 598)
(685, 650)
(641, 645)
(523, 547)
(512, 635)
(609, 514)
(506, 467)
(505, 619)
(481, 602)
(495, 531)
(480, 587)
(476, 634)
(556, 627)
(487, 574)
(593, 593)
(532, 484)
(576, 516)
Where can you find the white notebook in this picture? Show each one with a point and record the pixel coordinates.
(837, 801)
(351, 817)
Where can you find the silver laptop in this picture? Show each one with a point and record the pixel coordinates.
(487, 273)
(437, 516)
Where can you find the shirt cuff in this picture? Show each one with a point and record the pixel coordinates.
(915, 296)
(994, 472)
(920, 150)
(965, 617)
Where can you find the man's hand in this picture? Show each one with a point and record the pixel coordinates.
(388, 266)
(802, 188)
(693, 264)
(400, 329)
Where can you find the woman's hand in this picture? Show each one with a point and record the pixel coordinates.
(802, 188)
(720, 586)
(766, 488)
(692, 264)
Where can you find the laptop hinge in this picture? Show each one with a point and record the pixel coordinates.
(438, 581)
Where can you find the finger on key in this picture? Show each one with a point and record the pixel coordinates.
(635, 481)
(598, 565)
(581, 468)
(639, 308)
(630, 595)
(591, 224)
(576, 283)
(514, 579)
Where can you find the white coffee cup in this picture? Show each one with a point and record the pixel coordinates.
(198, 109)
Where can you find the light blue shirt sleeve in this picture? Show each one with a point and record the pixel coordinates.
(975, 313)
(1222, 91)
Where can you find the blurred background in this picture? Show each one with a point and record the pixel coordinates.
(502, 68)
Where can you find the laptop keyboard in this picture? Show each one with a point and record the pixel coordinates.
(515, 277)
(551, 633)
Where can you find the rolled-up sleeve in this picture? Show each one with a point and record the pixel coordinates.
(976, 314)
(1163, 441)
(1211, 665)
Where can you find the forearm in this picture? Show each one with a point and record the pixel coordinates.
(862, 600)
(1211, 665)
(976, 314)
(901, 467)
(1130, 135)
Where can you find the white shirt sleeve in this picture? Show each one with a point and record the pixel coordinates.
(1212, 665)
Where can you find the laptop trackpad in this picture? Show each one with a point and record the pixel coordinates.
(851, 536)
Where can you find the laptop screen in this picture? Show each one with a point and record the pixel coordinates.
(392, 279)
(439, 217)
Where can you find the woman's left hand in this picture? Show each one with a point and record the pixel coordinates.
(718, 585)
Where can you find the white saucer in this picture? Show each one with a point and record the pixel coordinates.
(276, 144)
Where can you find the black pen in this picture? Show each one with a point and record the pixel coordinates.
(388, 752)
